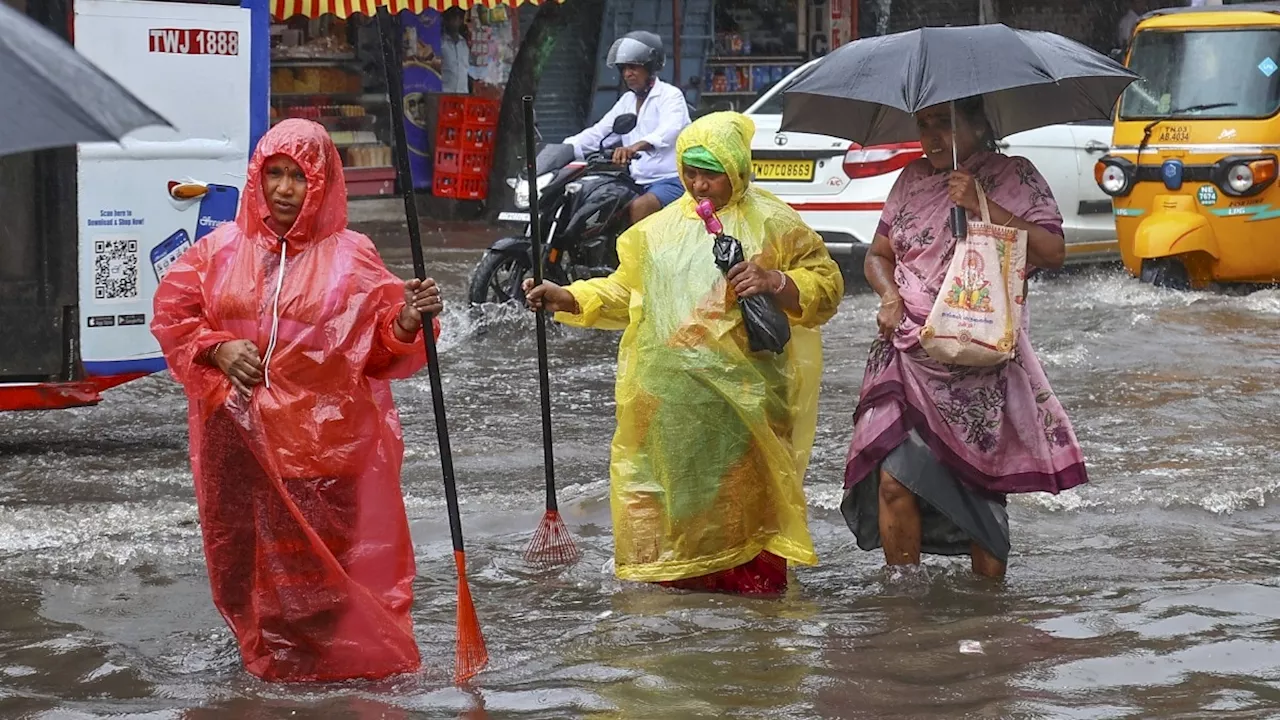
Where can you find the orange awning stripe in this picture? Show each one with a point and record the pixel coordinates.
(285, 9)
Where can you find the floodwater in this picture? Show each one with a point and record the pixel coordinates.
(1152, 592)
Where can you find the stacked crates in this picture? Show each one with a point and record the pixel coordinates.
(466, 133)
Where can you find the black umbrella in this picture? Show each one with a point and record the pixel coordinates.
(867, 91)
(53, 96)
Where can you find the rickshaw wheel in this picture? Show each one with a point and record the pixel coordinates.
(1166, 273)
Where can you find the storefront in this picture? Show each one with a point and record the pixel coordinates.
(455, 67)
(760, 42)
(329, 70)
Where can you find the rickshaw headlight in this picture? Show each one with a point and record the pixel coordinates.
(1112, 178)
(1245, 176)
(1240, 178)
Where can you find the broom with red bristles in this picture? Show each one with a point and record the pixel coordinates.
(471, 654)
(551, 544)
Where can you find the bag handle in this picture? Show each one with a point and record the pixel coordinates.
(982, 202)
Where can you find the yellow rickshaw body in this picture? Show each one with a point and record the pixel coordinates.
(1217, 234)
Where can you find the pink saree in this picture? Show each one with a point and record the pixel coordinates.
(995, 430)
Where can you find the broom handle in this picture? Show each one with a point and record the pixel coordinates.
(544, 371)
(404, 179)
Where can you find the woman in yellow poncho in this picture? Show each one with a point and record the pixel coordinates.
(713, 440)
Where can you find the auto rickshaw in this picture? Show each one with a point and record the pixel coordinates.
(1192, 168)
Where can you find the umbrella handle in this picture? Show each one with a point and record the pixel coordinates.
(959, 223)
(959, 220)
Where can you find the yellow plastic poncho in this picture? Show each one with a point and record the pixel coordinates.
(713, 441)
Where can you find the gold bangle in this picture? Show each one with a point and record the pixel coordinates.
(890, 303)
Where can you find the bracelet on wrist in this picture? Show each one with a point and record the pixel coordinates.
(405, 329)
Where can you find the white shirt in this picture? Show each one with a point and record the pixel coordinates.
(456, 57)
(660, 120)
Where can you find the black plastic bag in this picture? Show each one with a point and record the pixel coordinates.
(767, 326)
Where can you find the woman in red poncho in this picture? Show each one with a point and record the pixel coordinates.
(285, 329)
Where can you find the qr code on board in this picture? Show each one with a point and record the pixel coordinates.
(115, 269)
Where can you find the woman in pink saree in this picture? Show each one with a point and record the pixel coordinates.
(937, 447)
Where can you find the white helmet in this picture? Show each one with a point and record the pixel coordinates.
(637, 48)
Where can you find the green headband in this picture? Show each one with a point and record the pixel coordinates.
(700, 157)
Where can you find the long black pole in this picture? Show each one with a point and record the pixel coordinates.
(544, 371)
(404, 179)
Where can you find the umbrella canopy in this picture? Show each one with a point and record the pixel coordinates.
(54, 96)
(867, 91)
(284, 9)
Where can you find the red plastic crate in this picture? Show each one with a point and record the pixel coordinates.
(449, 137)
(453, 109)
(478, 137)
(476, 164)
(473, 188)
(482, 112)
(445, 185)
(448, 161)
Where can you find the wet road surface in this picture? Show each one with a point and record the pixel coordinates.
(1151, 592)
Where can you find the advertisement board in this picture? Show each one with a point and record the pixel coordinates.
(421, 77)
(194, 64)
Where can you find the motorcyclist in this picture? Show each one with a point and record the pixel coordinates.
(661, 113)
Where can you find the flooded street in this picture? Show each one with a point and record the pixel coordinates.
(1154, 591)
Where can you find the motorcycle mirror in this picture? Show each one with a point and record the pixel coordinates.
(624, 124)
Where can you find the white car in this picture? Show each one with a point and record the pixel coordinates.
(839, 188)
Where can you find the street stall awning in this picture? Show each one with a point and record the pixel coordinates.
(285, 9)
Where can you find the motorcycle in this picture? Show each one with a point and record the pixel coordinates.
(582, 208)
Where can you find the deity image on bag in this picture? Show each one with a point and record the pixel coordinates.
(970, 290)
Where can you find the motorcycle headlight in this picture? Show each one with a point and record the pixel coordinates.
(522, 189)
(522, 195)
(1112, 176)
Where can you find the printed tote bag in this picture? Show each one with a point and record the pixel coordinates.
(978, 313)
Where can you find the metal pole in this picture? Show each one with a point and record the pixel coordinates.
(676, 29)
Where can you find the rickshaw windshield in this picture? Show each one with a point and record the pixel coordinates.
(1223, 73)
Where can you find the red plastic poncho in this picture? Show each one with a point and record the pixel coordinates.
(305, 535)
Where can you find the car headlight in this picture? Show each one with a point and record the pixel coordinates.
(1245, 176)
(1114, 176)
